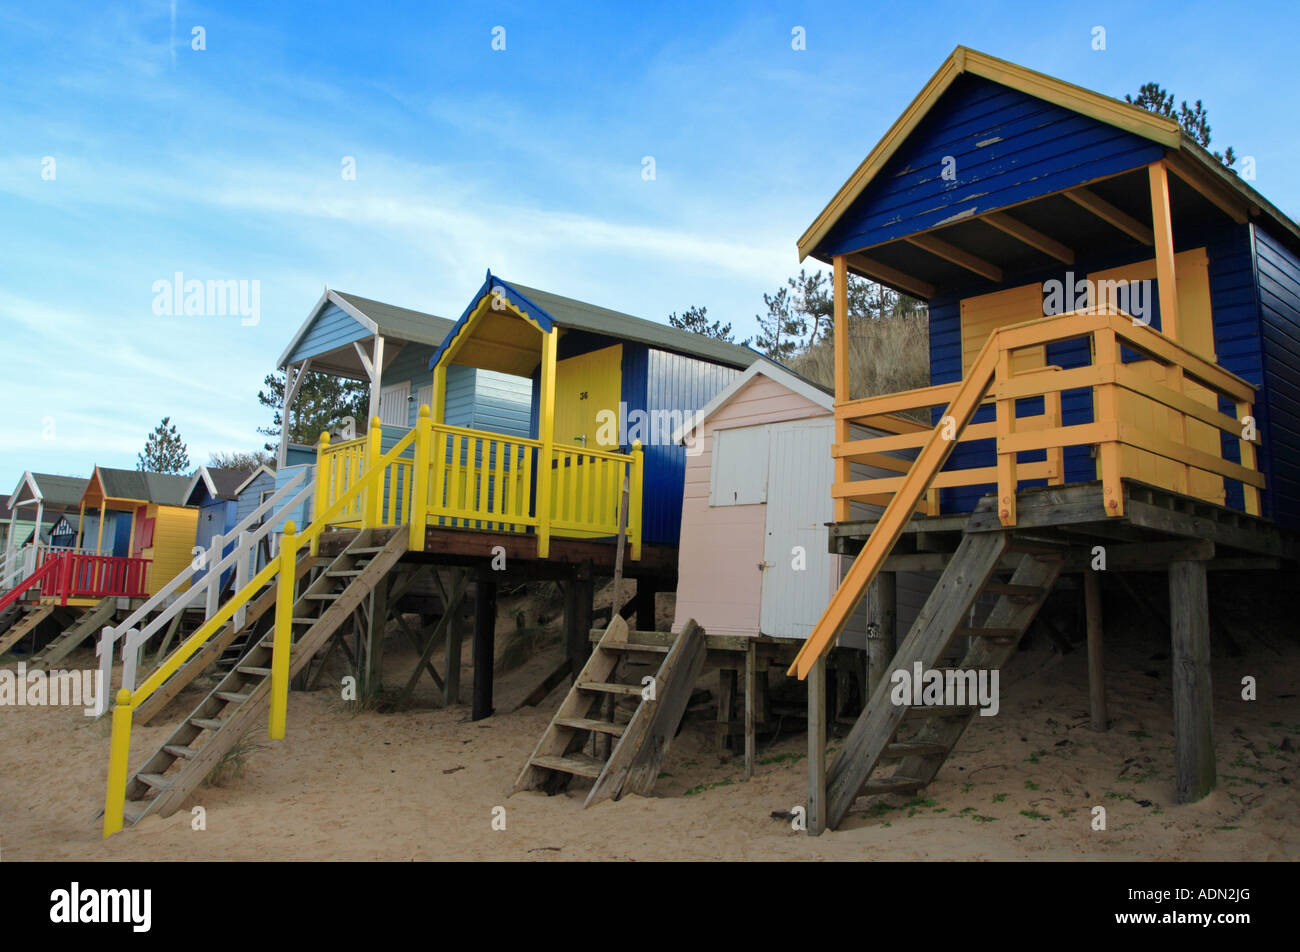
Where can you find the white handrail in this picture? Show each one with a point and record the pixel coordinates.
(215, 566)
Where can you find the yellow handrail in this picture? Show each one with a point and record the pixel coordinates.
(281, 566)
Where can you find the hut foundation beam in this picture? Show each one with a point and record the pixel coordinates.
(485, 620)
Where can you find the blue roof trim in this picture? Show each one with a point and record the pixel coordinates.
(490, 285)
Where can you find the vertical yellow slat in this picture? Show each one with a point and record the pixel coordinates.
(1106, 349)
(438, 459)
(418, 510)
(546, 432)
(1006, 425)
(1052, 408)
(526, 484)
(484, 462)
(500, 448)
(1248, 460)
(453, 479)
(634, 497)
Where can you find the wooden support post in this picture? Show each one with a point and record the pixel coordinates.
(817, 748)
(378, 623)
(485, 622)
(451, 686)
(1247, 447)
(546, 435)
(1006, 427)
(840, 303)
(1189, 614)
(882, 638)
(751, 698)
(645, 604)
(1096, 668)
(575, 639)
(726, 701)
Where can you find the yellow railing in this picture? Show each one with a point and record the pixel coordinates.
(472, 479)
(1184, 386)
(362, 494)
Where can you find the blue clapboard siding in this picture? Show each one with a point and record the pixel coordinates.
(459, 407)
(332, 328)
(1237, 343)
(1008, 147)
(501, 403)
(1278, 281)
(215, 515)
(251, 497)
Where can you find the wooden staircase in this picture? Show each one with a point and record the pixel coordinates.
(20, 629)
(234, 706)
(71, 637)
(231, 639)
(634, 750)
(9, 615)
(1016, 575)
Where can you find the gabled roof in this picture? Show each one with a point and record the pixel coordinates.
(251, 477)
(50, 489)
(796, 383)
(141, 486)
(387, 320)
(220, 482)
(1105, 109)
(548, 310)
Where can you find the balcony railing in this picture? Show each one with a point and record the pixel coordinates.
(460, 478)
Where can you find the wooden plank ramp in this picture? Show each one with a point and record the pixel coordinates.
(972, 573)
(241, 699)
(71, 638)
(24, 627)
(638, 747)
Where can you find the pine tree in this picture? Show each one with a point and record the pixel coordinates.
(695, 319)
(322, 401)
(164, 450)
(1194, 119)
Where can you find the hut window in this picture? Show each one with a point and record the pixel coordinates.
(738, 471)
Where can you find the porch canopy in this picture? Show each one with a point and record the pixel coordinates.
(39, 498)
(997, 173)
(352, 337)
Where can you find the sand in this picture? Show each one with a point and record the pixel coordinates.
(425, 784)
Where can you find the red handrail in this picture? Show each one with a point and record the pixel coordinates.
(77, 575)
(49, 568)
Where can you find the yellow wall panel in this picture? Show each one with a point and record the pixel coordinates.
(173, 543)
(982, 315)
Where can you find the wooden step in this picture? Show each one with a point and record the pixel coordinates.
(890, 785)
(609, 687)
(155, 780)
(629, 646)
(305, 621)
(1003, 636)
(579, 764)
(254, 671)
(322, 596)
(132, 810)
(343, 573)
(207, 723)
(591, 724)
(934, 710)
(364, 550)
(910, 748)
(1017, 593)
(185, 753)
(232, 696)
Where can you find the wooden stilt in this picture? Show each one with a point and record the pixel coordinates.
(451, 691)
(1096, 668)
(1193, 703)
(485, 620)
(575, 639)
(645, 604)
(817, 748)
(883, 640)
(377, 624)
(726, 701)
(751, 694)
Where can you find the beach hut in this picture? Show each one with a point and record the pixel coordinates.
(1114, 362)
(214, 491)
(143, 521)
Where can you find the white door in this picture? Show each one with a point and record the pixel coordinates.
(797, 581)
(424, 398)
(394, 408)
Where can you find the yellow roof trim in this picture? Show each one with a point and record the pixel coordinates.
(1122, 115)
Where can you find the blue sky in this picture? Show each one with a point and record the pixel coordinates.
(225, 164)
